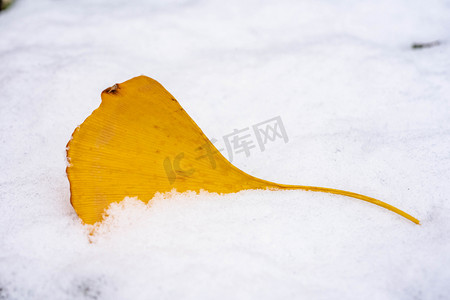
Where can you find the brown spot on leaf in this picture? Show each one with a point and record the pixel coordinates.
(112, 90)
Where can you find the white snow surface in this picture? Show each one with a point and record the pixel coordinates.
(363, 111)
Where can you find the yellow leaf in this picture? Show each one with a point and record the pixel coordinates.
(140, 141)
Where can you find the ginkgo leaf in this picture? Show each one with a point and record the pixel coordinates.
(140, 141)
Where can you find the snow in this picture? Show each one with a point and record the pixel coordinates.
(363, 111)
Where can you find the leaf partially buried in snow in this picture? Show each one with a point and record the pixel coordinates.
(140, 141)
